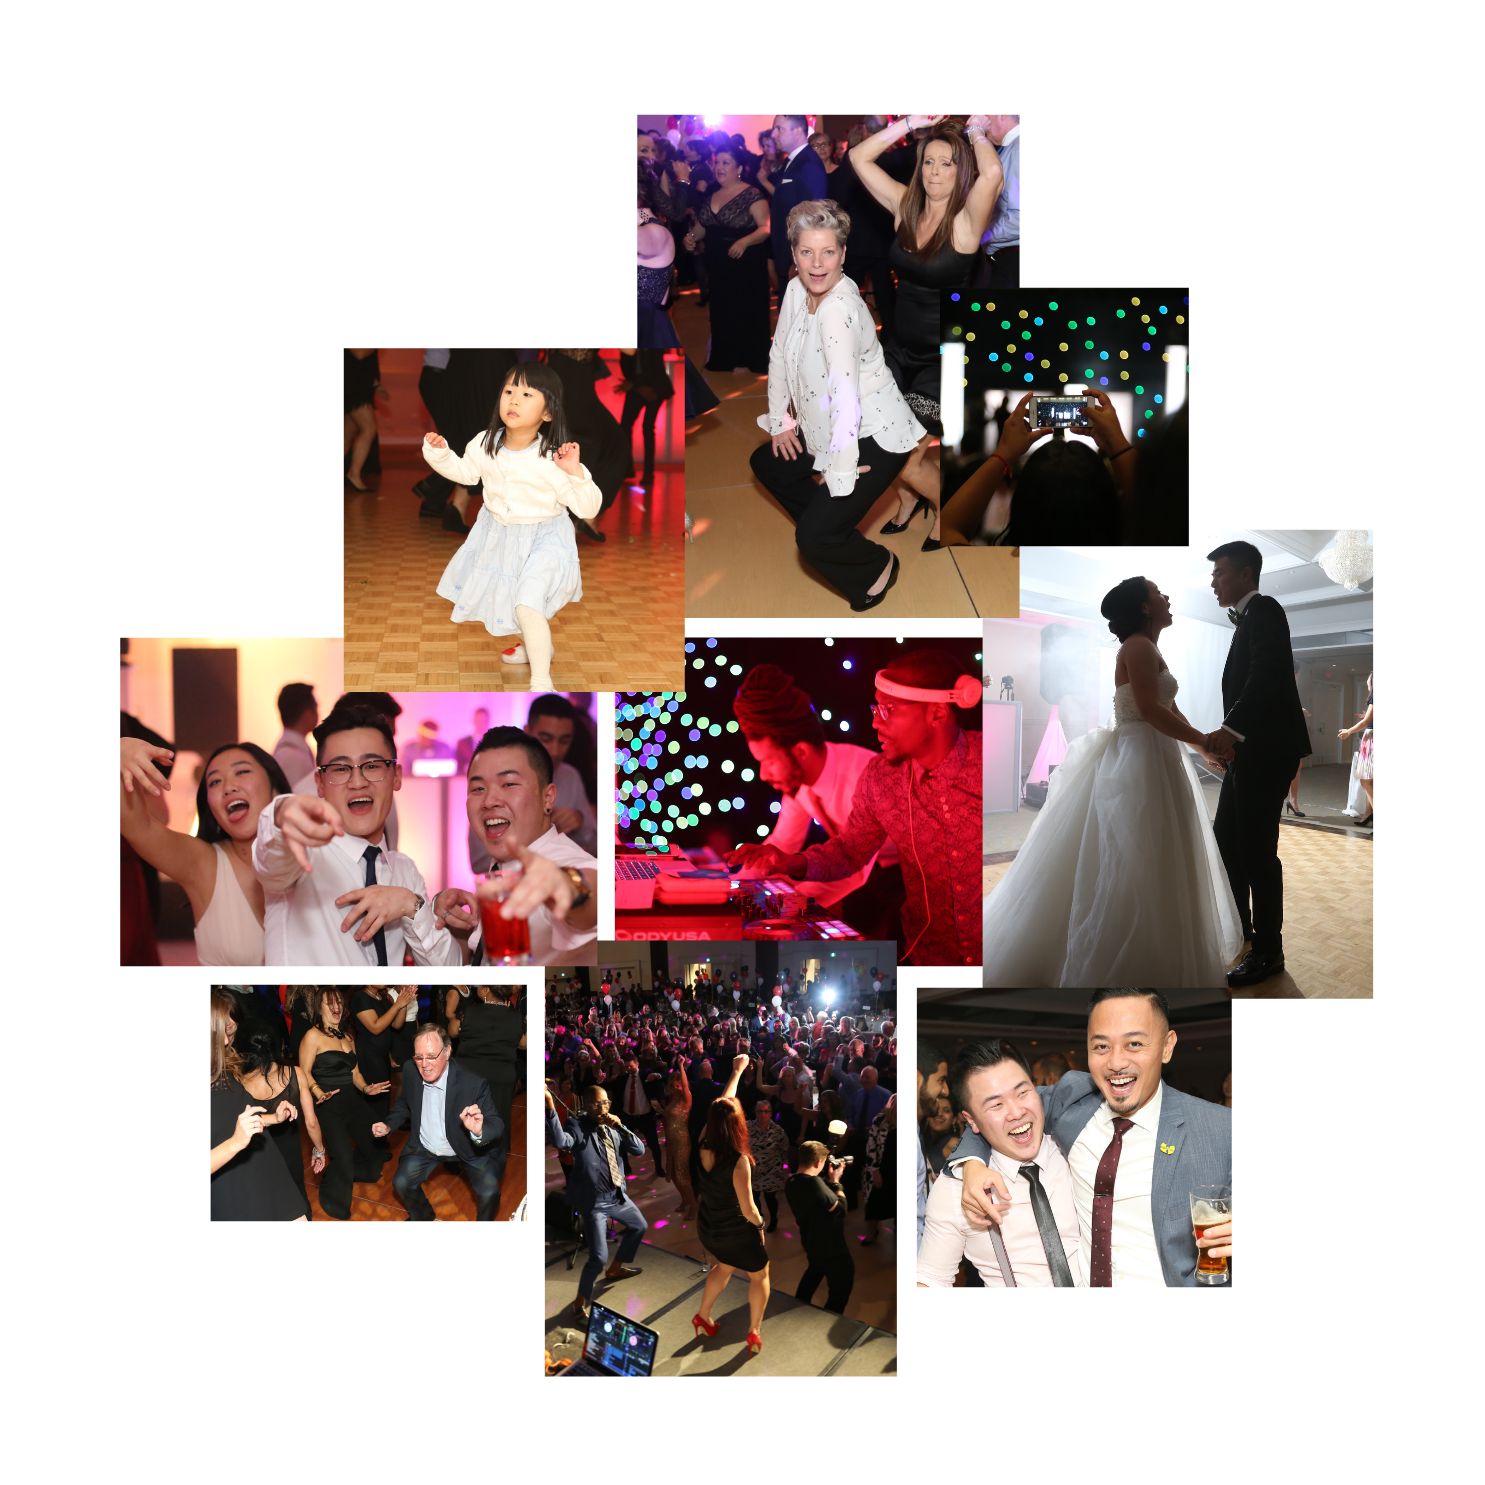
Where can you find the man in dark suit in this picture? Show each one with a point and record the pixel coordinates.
(453, 1118)
(1260, 742)
(800, 178)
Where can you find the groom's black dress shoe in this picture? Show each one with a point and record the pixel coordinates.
(1254, 970)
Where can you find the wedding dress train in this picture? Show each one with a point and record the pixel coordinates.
(1119, 882)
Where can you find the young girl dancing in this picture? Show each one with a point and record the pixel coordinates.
(519, 563)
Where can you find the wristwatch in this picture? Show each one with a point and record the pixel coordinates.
(579, 887)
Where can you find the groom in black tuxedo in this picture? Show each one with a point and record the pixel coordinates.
(1262, 738)
(800, 178)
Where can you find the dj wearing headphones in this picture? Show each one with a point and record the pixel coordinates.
(923, 793)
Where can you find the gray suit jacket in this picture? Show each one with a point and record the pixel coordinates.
(1197, 1140)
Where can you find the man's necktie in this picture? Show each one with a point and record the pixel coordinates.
(1101, 1269)
(1046, 1224)
(369, 856)
(610, 1149)
(631, 1104)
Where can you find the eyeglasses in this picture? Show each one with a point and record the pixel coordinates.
(434, 1058)
(883, 710)
(372, 771)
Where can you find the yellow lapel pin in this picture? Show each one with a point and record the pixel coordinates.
(1167, 1149)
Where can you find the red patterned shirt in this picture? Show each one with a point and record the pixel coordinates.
(933, 818)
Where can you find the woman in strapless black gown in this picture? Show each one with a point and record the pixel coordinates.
(732, 229)
(343, 1118)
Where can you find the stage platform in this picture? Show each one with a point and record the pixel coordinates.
(798, 1340)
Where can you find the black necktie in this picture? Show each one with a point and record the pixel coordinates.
(1046, 1224)
(369, 856)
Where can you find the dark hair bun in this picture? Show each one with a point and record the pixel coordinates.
(1123, 607)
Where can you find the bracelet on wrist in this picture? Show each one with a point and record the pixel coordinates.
(1127, 447)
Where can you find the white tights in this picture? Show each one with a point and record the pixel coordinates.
(536, 635)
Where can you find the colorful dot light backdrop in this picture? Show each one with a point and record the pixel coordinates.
(682, 768)
(1020, 340)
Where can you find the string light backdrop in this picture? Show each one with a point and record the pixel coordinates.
(682, 768)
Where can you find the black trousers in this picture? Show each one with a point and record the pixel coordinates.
(883, 289)
(825, 527)
(417, 1165)
(1002, 271)
(432, 389)
(838, 1270)
(345, 1122)
(1247, 831)
(634, 405)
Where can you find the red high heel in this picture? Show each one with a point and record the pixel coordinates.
(755, 1343)
(698, 1325)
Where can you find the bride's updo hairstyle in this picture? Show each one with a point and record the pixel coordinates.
(1124, 608)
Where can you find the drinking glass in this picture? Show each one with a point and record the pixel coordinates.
(1210, 1207)
(504, 940)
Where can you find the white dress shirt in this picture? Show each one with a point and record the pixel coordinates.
(301, 923)
(828, 800)
(1238, 608)
(830, 366)
(947, 1236)
(519, 485)
(1135, 1252)
(548, 936)
(636, 1101)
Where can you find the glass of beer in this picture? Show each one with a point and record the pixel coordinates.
(1210, 1207)
(504, 940)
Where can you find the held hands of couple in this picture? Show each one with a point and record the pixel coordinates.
(379, 1130)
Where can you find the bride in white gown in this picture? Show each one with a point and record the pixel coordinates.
(1120, 881)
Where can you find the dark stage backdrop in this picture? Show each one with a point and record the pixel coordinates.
(683, 771)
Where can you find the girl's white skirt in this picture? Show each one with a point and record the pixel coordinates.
(500, 566)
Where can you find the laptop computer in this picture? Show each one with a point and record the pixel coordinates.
(615, 1347)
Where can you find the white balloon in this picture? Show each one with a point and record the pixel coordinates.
(777, 1000)
(608, 1000)
(675, 1005)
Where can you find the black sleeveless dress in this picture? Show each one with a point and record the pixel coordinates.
(913, 354)
(489, 1037)
(286, 1136)
(345, 1121)
(373, 1052)
(725, 1232)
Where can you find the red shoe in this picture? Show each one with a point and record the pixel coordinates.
(698, 1325)
(755, 1343)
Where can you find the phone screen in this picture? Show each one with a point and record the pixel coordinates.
(1061, 412)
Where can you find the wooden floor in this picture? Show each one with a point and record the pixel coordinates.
(626, 632)
(450, 1195)
(873, 1297)
(1327, 916)
(743, 561)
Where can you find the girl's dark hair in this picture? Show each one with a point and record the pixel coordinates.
(1123, 607)
(258, 1047)
(542, 379)
(1064, 492)
(208, 828)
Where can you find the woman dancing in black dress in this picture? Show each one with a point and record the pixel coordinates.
(940, 217)
(491, 1033)
(362, 383)
(271, 1083)
(732, 229)
(379, 1016)
(327, 1067)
